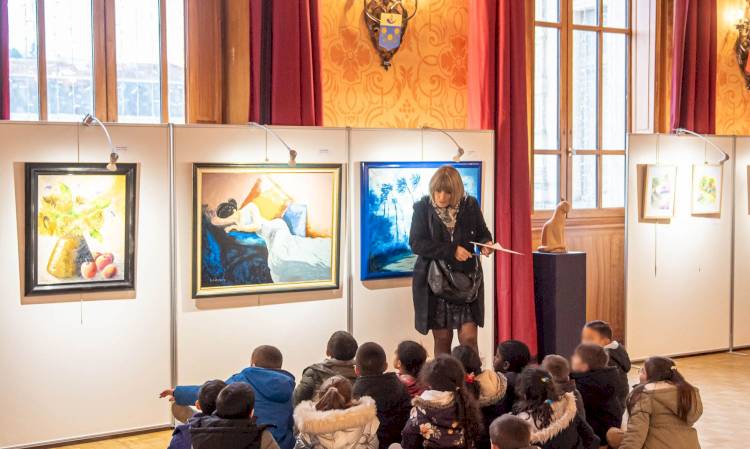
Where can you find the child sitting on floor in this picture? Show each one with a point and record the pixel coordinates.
(487, 386)
(340, 352)
(206, 405)
(510, 432)
(511, 358)
(392, 400)
(662, 410)
(233, 424)
(273, 390)
(559, 368)
(335, 420)
(600, 333)
(601, 387)
(552, 415)
(446, 415)
(410, 357)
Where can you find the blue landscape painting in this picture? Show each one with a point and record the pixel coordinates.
(389, 191)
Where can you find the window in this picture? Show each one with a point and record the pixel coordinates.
(580, 103)
(123, 60)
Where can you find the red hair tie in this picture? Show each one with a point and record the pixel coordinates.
(469, 378)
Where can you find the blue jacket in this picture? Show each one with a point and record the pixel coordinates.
(273, 400)
(181, 436)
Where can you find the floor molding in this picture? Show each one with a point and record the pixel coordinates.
(92, 438)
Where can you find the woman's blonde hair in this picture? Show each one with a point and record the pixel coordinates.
(447, 179)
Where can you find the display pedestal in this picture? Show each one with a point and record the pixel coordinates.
(560, 300)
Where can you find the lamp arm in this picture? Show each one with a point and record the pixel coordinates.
(292, 152)
(88, 119)
(679, 131)
(455, 142)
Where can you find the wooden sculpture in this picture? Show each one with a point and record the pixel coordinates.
(553, 232)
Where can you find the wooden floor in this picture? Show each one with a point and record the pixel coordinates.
(724, 381)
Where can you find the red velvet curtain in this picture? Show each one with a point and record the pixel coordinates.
(4, 62)
(497, 92)
(285, 63)
(694, 66)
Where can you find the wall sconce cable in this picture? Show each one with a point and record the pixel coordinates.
(459, 150)
(90, 120)
(292, 153)
(683, 131)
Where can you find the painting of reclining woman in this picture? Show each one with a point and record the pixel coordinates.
(265, 228)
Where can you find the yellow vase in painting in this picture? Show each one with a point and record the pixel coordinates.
(67, 256)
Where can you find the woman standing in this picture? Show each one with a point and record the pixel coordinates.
(443, 225)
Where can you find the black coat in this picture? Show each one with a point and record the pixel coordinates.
(392, 401)
(619, 358)
(567, 429)
(212, 432)
(601, 391)
(470, 226)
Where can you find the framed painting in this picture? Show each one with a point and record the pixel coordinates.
(659, 191)
(707, 186)
(265, 228)
(80, 228)
(388, 193)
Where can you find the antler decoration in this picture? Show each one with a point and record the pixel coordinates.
(386, 22)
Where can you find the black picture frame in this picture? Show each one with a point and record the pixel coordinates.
(199, 291)
(32, 173)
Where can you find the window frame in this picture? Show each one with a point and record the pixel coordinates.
(565, 152)
(104, 60)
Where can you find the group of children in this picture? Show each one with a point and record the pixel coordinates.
(351, 401)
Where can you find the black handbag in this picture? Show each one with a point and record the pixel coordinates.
(452, 285)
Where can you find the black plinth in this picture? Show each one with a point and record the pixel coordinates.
(560, 299)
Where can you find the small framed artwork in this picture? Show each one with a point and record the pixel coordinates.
(80, 228)
(659, 191)
(707, 184)
(265, 228)
(388, 193)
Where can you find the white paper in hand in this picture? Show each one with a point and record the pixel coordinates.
(497, 247)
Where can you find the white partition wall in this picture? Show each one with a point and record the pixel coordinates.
(382, 309)
(742, 244)
(678, 270)
(80, 365)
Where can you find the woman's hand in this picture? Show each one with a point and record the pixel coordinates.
(485, 250)
(461, 254)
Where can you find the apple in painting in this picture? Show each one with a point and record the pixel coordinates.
(88, 270)
(109, 271)
(104, 260)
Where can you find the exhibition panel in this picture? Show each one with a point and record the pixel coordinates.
(679, 244)
(741, 316)
(70, 357)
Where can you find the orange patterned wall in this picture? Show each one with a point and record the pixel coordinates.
(426, 85)
(732, 97)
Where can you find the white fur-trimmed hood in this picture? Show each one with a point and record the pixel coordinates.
(563, 413)
(492, 387)
(309, 420)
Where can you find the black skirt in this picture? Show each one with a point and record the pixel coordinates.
(446, 315)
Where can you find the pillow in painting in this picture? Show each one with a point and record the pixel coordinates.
(270, 199)
(296, 218)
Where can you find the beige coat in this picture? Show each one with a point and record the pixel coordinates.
(352, 428)
(654, 424)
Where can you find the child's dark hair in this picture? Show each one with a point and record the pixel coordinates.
(208, 394)
(593, 355)
(472, 365)
(515, 353)
(236, 401)
(371, 359)
(334, 394)
(412, 356)
(536, 392)
(445, 373)
(663, 369)
(600, 327)
(267, 357)
(510, 432)
(342, 346)
(557, 366)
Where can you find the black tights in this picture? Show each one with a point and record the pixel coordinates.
(467, 335)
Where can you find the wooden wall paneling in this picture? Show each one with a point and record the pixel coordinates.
(604, 245)
(204, 66)
(236, 51)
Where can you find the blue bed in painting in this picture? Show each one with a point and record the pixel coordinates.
(388, 193)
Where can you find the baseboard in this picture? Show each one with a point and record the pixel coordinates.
(91, 438)
(693, 354)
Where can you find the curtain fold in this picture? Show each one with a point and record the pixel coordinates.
(693, 103)
(4, 62)
(497, 92)
(286, 86)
